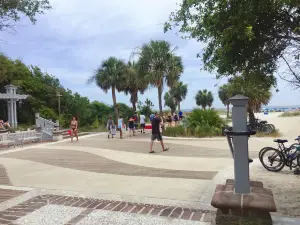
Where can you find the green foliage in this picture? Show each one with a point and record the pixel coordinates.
(42, 88)
(290, 114)
(170, 102)
(204, 98)
(134, 82)
(179, 92)
(95, 125)
(255, 86)
(125, 111)
(146, 108)
(224, 94)
(200, 117)
(160, 65)
(48, 113)
(110, 75)
(11, 10)
(199, 123)
(240, 35)
(177, 131)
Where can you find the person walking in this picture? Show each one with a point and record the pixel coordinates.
(175, 119)
(109, 126)
(131, 126)
(74, 128)
(120, 126)
(156, 135)
(180, 115)
(135, 118)
(169, 120)
(142, 123)
(152, 117)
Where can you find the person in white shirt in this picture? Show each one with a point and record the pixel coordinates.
(120, 126)
(142, 123)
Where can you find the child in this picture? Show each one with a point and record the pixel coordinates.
(109, 125)
(113, 130)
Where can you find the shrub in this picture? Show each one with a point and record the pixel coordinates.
(48, 113)
(95, 124)
(199, 123)
(178, 131)
(290, 114)
(205, 118)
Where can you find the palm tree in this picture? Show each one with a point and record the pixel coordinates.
(204, 98)
(179, 92)
(110, 75)
(257, 87)
(134, 82)
(224, 95)
(160, 64)
(170, 101)
(210, 99)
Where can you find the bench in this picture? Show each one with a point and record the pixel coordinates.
(7, 139)
(28, 136)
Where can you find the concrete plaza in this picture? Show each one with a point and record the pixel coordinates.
(112, 181)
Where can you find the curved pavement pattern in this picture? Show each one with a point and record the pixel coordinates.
(122, 167)
(120, 170)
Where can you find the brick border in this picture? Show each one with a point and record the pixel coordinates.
(11, 214)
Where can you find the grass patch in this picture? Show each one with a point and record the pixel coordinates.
(101, 128)
(290, 114)
(274, 134)
(200, 131)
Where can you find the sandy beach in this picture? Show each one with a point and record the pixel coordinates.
(287, 126)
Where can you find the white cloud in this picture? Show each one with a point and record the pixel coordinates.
(72, 39)
(74, 77)
(77, 18)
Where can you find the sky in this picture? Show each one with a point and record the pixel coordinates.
(72, 40)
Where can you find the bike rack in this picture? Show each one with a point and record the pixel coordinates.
(230, 134)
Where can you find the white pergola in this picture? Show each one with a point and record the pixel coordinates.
(12, 97)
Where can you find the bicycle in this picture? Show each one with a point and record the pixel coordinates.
(261, 125)
(284, 157)
(281, 146)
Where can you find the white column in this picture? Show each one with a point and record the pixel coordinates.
(12, 114)
(9, 112)
(15, 114)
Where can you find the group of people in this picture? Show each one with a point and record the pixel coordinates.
(133, 122)
(156, 122)
(132, 125)
(173, 118)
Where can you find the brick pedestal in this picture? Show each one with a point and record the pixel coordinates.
(243, 209)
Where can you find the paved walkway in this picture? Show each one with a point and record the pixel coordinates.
(112, 181)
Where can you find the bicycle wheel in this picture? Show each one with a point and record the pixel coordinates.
(262, 151)
(274, 156)
(267, 129)
(273, 127)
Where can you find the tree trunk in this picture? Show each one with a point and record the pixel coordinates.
(113, 92)
(251, 116)
(178, 103)
(159, 89)
(134, 99)
(227, 110)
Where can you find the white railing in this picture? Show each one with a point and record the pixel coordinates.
(46, 126)
(20, 138)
